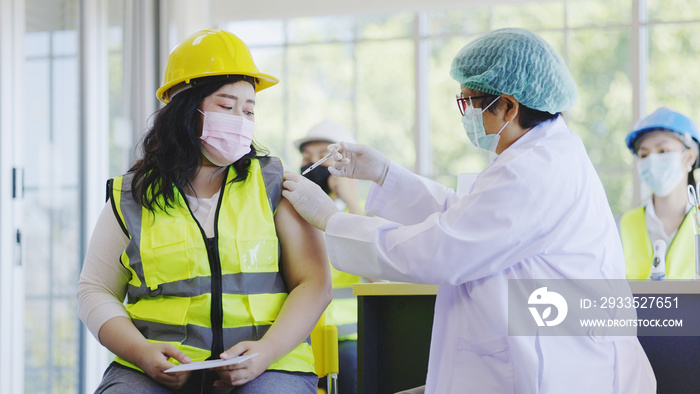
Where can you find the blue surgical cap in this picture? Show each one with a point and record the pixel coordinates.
(517, 62)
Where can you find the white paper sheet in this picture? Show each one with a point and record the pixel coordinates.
(208, 364)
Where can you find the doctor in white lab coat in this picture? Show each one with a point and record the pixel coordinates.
(538, 211)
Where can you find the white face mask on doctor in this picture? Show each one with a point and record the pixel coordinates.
(473, 122)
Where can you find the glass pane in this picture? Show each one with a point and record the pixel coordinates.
(37, 44)
(269, 107)
(37, 259)
(65, 128)
(56, 15)
(37, 123)
(65, 333)
(446, 180)
(674, 52)
(320, 86)
(37, 178)
(556, 40)
(36, 345)
(673, 10)
(381, 27)
(531, 15)
(619, 187)
(65, 43)
(386, 98)
(323, 29)
(452, 151)
(598, 12)
(121, 131)
(120, 135)
(65, 236)
(257, 33)
(52, 215)
(115, 15)
(468, 21)
(602, 115)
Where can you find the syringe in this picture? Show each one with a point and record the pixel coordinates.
(318, 163)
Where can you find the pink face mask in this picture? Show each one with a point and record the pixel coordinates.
(225, 138)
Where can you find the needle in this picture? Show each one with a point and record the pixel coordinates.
(318, 163)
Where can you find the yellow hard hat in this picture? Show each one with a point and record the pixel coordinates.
(209, 53)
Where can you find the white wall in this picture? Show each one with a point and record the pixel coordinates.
(182, 17)
(228, 10)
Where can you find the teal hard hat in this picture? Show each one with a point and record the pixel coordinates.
(664, 119)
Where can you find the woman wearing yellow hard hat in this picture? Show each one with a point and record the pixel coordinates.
(212, 262)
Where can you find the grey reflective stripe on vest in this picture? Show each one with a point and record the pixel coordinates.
(240, 283)
(271, 282)
(343, 292)
(248, 283)
(272, 171)
(131, 210)
(198, 336)
(273, 175)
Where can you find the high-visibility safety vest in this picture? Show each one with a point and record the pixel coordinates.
(342, 311)
(636, 244)
(204, 295)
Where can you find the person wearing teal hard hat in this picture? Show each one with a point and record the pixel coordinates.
(658, 237)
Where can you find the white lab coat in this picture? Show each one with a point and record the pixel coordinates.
(538, 211)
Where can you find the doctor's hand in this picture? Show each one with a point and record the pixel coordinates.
(359, 162)
(312, 203)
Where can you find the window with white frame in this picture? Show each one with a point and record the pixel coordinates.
(52, 228)
(361, 70)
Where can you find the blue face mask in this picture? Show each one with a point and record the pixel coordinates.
(473, 122)
(661, 172)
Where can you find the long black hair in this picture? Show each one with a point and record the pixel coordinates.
(171, 148)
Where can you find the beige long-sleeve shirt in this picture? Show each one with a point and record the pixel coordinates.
(103, 280)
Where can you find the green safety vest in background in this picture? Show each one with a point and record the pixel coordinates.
(205, 295)
(636, 244)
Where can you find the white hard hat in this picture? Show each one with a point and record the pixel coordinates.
(325, 131)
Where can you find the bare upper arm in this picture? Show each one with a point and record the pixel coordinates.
(304, 257)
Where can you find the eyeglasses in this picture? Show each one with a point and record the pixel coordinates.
(464, 102)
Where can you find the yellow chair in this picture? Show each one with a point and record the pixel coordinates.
(324, 342)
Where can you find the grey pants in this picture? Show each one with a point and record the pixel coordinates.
(119, 379)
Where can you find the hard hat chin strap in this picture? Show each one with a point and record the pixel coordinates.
(177, 89)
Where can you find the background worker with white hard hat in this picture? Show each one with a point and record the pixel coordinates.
(212, 262)
(312, 147)
(342, 311)
(658, 237)
(538, 211)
